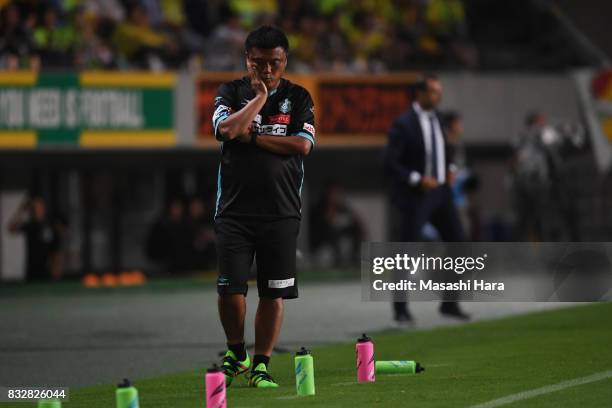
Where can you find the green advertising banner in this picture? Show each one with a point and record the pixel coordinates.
(90, 109)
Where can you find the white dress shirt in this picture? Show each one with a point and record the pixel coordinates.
(425, 118)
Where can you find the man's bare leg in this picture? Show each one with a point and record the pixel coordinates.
(268, 322)
(232, 310)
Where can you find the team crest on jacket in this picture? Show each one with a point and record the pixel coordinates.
(285, 106)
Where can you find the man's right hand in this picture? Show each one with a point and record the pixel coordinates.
(256, 83)
(429, 183)
(237, 124)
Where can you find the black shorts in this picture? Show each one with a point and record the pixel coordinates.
(272, 242)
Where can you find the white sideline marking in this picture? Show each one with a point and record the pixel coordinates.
(544, 390)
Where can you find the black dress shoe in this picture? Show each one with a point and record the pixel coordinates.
(452, 309)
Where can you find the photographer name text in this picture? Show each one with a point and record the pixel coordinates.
(431, 285)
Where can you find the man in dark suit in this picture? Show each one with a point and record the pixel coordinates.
(418, 161)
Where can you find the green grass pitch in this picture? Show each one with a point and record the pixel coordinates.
(465, 365)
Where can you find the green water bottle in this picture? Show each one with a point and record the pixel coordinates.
(49, 403)
(127, 395)
(304, 373)
(398, 367)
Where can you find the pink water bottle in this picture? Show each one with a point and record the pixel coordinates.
(215, 388)
(364, 349)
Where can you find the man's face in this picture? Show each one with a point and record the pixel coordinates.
(39, 209)
(431, 97)
(540, 121)
(456, 127)
(455, 130)
(269, 64)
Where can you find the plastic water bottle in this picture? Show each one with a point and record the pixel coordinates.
(304, 373)
(127, 395)
(398, 367)
(364, 350)
(49, 403)
(215, 388)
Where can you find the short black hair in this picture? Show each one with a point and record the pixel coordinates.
(421, 82)
(267, 37)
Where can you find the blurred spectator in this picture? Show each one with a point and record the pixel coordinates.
(43, 235)
(454, 129)
(169, 241)
(333, 45)
(254, 12)
(154, 12)
(225, 48)
(336, 226)
(466, 185)
(135, 39)
(541, 151)
(472, 210)
(105, 9)
(54, 41)
(90, 51)
(203, 16)
(329, 7)
(16, 42)
(304, 44)
(396, 51)
(175, 23)
(447, 25)
(367, 38)
(531, 177)
(137, 42)
(202, 236)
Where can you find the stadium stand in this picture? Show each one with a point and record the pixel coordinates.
(325, 35)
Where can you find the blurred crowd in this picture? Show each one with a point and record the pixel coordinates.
(543, 202)
(182, 238)
(325, 35)
(44, 232)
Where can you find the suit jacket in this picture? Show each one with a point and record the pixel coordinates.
(404, 154)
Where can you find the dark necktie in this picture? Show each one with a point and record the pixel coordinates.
(434, 148)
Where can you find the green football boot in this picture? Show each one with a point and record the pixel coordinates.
(259, 378)
(232, 368)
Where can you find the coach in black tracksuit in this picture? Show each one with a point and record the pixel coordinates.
(266, 126)
(418, 161)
